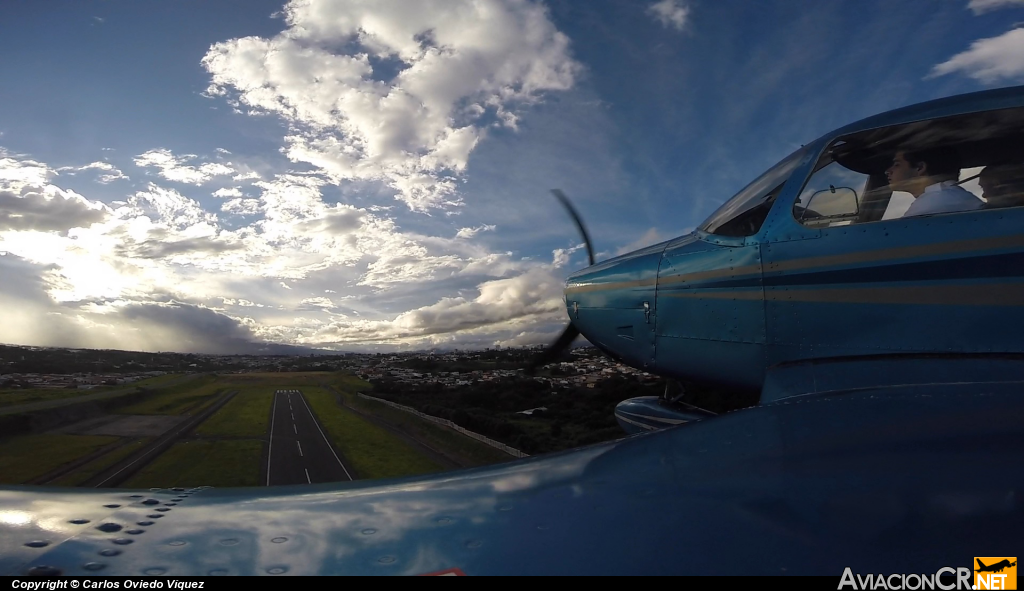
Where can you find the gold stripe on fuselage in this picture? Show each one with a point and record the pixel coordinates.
(988, 294)
(900, 252)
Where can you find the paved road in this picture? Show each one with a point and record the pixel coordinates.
(299, 450)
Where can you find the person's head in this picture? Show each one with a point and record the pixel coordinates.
(914, 169)
(1001, 182)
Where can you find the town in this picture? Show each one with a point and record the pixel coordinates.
(54, 368)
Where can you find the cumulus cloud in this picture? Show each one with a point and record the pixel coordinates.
(156, 249)
(393, 91)
(121, 276)
(981, 6)
(317, 303)
(29, 316)
(470, 232)
(989, 60)
(241, 206)
(338, 220)
(109, 172)
(175, 168)
(48, 210)
(168, 206)
(501, 304)
(17, 172)
(560, 256)
(225, 192)
(670, 13)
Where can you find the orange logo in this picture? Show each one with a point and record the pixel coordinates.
(999, 572)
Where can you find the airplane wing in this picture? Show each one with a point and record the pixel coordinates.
(880, 480)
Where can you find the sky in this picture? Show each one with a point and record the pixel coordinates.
(375, 175)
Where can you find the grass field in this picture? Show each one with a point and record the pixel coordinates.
(176, 399)
(372, 451)
(13, 397)
(101, 463)
(209, 463)
(247, 415)
(27, 457)
(351, 384)
(468, 451)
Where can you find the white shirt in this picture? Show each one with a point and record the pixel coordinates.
(943, 197)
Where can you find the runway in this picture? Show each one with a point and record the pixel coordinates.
(300, 452)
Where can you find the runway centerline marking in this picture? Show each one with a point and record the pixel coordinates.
(296, 429)
(328, 441)
(300, 447)
(308, 481)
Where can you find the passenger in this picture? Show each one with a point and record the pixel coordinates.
(930, 175)
(1002, 185)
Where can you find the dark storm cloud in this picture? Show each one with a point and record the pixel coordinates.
(27, 313)
(32, 210)
(22, 279)
(155, 249)
(29, 316)
(198, 329)
(194, 329)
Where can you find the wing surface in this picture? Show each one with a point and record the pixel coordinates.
(905, 480)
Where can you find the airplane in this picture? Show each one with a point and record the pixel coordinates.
(994, 568)
(877, 362)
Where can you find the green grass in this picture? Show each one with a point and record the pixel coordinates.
(175, 399)
(14, 397)
(372, 451)
(100, 464)
(203, 463)
(247, 415)
(159, 380)
(469, 451)
(27, 457)
(346, 382)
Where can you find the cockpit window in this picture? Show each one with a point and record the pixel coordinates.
(746, 211)
(949, 165)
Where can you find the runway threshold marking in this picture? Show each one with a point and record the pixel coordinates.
(270, 449)
(328, 441)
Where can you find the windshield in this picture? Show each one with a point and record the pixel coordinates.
(758, 194)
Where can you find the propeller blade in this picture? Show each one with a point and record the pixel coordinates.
(570, 333)
(554, 350)
(576, 218)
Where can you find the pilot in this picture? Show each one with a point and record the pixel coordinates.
(930, 175)
(1002, 185)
